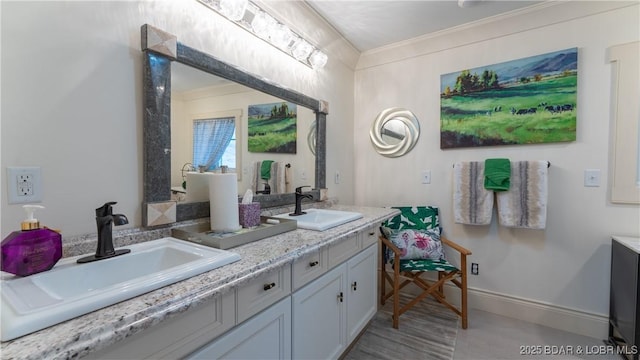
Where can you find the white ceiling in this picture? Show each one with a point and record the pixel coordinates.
(369, 24)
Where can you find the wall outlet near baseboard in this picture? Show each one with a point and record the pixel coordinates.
(474, 269)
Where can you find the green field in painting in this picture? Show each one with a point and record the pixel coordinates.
(272, 135)
(486, 117)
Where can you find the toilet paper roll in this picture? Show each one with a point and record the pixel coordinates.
(223, 197)
(197, 186)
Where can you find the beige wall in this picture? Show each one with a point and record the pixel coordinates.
(72, 97)
(566, 265)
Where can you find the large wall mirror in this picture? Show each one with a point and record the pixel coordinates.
(187, 85)
(199, 100)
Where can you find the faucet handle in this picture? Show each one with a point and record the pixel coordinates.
(105, 209)
(299, 189)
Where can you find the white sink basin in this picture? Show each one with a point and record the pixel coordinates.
(322, 219)
(70, 289)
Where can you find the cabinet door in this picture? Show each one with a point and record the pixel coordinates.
(266, 336)
(363, 287)
(319, 317)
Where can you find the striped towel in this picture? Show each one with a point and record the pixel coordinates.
(276, 181)
(525, 204)
(472, 203)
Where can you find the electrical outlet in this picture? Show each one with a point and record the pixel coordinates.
(24, 185)
(474, 269)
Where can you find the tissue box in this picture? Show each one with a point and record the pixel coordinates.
(249, 214)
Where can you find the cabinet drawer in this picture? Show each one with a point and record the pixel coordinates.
(309, 267)
(368, 236)
(176, 337)
(343, 250)
(261, 292)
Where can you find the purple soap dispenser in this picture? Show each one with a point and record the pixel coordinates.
(31, 250)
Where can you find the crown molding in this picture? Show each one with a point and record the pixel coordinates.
(525, 19)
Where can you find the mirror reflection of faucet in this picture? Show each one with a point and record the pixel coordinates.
(266, 190)
(105, 219)
(299, 197)
(186, 168)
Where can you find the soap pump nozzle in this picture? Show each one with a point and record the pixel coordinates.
(30, 223)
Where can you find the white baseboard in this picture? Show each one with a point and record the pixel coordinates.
(571, 320)
(557, 317)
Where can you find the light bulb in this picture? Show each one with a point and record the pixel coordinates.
(233, 9)
(318, 59)
(301, 49)
(262, 24)
(281, 36)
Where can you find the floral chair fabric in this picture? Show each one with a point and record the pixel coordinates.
(412, 244)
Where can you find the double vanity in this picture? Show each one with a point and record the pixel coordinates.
(305, 293)
(299, 294)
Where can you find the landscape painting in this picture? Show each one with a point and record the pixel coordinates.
(526, 101)
(272, 128)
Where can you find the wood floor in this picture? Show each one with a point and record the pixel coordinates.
(489, 336)
(427, 331)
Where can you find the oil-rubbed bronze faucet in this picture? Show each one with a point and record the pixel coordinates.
(299, 196)
(266, 191)
(105, 219)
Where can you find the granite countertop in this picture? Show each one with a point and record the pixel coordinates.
(97, 330)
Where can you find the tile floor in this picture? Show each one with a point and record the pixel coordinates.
(491, 336)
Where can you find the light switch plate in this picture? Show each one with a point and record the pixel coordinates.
(426, 177)
(592, 177)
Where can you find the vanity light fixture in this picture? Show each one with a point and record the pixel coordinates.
(252, 18)
(232, 9)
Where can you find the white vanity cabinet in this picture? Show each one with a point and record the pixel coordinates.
(312, 308)
(261, 292)
(178, 336)
(266, 336)
(330, 312)
(309, 267)
(362, 280)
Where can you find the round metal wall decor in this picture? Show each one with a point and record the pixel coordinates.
(311, 138)
(394, 132)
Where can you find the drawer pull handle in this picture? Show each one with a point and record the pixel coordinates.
(269, 286)
(354, 285)
(340, 297)
(313, 263)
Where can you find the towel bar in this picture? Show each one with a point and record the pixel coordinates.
(548, 164)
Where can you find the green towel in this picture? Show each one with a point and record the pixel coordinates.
(265, 170)
(497, 174)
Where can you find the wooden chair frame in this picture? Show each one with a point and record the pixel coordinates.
(435, 289)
